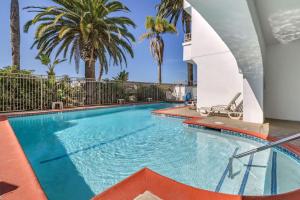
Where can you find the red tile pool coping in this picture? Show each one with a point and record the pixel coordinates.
(193, 120)
(197, 122)
(169, 189)
(43, 112)
(17, 177)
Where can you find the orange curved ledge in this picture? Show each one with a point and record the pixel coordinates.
(192, 120)
(168, 189)
(17, 179)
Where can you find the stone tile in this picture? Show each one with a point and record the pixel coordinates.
(147, 196)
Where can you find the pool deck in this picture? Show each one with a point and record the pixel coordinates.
(17, 179)
(272, 129)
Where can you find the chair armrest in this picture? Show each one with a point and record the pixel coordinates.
(205, 108)
(218, 107)
(235, 115)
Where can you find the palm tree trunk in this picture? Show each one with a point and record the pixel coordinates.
(159, 74)
(101, 73)
(190, 74)
(188, 22)
(90, 69)
(90, 81)
(190, 71)
(15, 33)
(160, 56)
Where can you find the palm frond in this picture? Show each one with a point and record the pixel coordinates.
(156, 27)
(173, 10)
(87, 30)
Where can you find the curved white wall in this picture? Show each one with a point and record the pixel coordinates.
(282, 81)
(218, 75)
(280, 25)
(232, 21)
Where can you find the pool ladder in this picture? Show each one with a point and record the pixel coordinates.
(262, 148)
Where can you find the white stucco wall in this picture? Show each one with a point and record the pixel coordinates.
(270, 69)
(258, 26)
(219, 78)
(187, 52)
(282, 74)
(238, 30)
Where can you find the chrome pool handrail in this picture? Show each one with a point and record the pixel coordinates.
(268, 146)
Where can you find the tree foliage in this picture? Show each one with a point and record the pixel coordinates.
(45, 60)
(156, 27)
(91, 30)
(174, 11)
(122, 76)
(14, 70)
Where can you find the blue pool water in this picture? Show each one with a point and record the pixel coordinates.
(77, 155)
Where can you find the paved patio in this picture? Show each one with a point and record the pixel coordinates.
(271, 128)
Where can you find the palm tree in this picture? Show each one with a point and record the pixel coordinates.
(15, 33)
(45, 60)
(86, 29)
(122, 76)
(156, 26)
(173, 9)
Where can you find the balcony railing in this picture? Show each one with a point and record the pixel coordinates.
(187, 37)
(34, 92)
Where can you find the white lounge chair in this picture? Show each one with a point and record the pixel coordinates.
(132, 98)
(170, 96)
(192, 105)
(207, 111)
(237, 113)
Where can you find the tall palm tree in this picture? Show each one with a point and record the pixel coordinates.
(174, 11)
(88, 29)
(122, 76)
(156, 26)
(15, 33)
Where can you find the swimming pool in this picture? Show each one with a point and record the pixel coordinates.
(77, 155)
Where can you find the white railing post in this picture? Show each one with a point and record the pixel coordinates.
(41, 93)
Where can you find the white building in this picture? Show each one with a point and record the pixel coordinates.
(248, 46)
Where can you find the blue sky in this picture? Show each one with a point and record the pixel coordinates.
(141, 68)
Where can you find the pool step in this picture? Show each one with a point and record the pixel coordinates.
(231, 184)
(225, 173)
(274, 174)
(247, 176)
